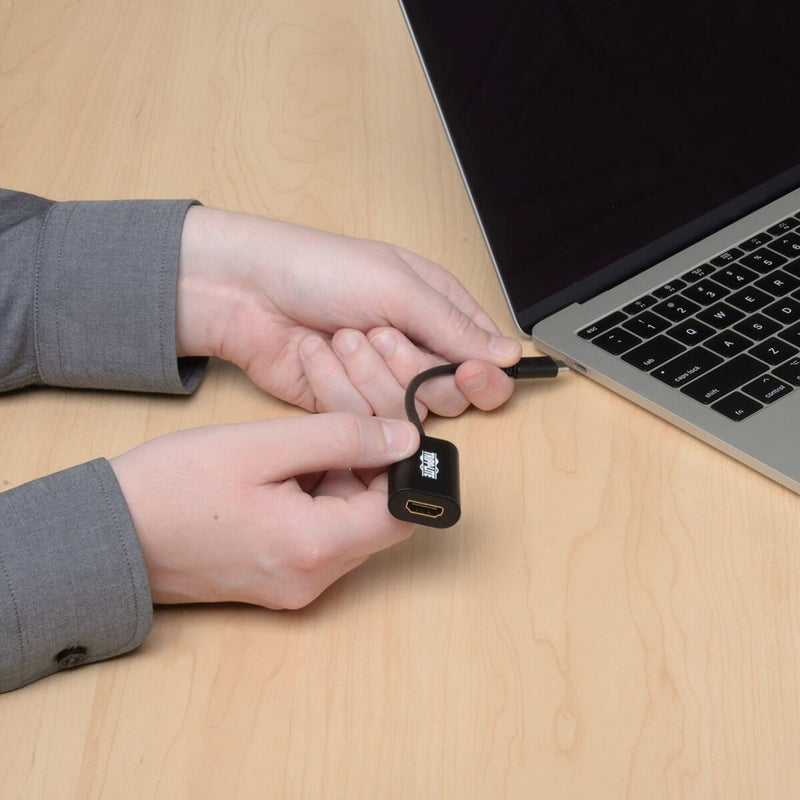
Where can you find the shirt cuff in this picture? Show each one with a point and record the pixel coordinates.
(73, 582)
(105, 297)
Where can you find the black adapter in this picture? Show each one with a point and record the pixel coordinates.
(424, 488)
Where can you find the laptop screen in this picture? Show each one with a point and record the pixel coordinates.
(601, 136)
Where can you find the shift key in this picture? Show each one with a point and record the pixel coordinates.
(718, 382)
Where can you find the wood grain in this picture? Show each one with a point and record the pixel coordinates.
(615, 617)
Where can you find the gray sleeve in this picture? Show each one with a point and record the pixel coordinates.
(88, 294)
(73, 584)
(87, 299)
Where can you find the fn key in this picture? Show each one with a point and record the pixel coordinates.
(737, 406)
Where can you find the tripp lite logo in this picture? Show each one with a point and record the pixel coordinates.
(429, 464)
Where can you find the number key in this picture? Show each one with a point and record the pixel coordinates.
(647, 324)
(706, 292)
(676, 308)
(764, 260)
(788, 245)
(735, 276)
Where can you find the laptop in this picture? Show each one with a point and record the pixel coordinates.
(635, 170)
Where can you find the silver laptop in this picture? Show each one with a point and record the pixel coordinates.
(635, 169)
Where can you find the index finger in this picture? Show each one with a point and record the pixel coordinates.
(448, 320)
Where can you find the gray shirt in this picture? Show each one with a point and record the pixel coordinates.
(87, 299)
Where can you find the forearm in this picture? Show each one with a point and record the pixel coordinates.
(88, 294)
(87, 299)
(73, 584)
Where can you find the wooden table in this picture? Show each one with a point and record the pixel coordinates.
(618, 613)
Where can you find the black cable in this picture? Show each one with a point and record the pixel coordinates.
(424, 488)
(411, 391)
(528, 367)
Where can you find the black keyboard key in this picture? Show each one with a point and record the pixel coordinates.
(757, 327)
(720, 315)
(791, 335)
(754, 242)
(788, 245)
(737, 406)
(686, 367)
(706, 292)
(786, 310)
(790, 371)
(700, 271)
(773, 351)
(793, 267)
(725, 258)
(767, 389)
(731, 375)
(779, 283)
(616, 341)
(728, 343)
(676, 308)
(784, 226)
(690, 332)
(647, 324)
(735, 276)
(763, 260)
(669, 288)
(749, 299)
(640, 304)
(602, 325)
(653, 352)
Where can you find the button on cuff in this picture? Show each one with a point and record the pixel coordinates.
(71, 657)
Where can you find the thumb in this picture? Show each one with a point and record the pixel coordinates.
(323, 442)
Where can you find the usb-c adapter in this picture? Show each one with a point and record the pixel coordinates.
(424, 488)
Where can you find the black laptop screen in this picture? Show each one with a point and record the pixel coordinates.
(589, 130)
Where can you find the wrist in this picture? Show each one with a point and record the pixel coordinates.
(204, 289)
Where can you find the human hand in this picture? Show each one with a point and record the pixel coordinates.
(333, 323)
(269, 513)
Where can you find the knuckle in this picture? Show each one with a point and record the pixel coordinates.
(302, 571)
(346, 434)
(355, 437)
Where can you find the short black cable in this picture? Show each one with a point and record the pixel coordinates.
(411, 391)
(525, 368)
(424, 488)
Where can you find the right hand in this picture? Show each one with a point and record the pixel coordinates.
(332, 323)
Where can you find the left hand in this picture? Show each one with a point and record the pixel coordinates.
(333, 323)
(269, 512)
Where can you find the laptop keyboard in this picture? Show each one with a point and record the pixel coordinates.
(726, 333)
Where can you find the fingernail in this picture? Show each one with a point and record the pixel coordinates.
(399, 437)
(384, 343)
(503, 347)
(309, 346)
(347, 344)
(477, 382)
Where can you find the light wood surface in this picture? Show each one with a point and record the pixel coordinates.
(618, 613)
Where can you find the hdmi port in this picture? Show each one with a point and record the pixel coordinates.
(424, 509)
